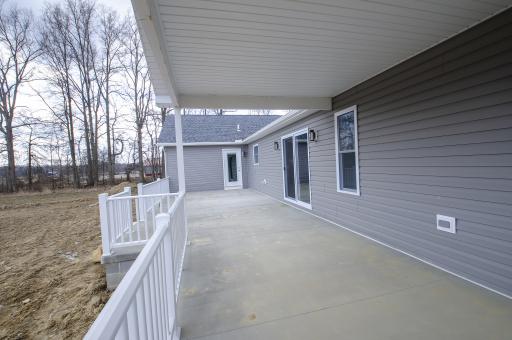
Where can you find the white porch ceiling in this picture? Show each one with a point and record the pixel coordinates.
(284, 54)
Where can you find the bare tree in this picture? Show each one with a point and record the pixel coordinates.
(137, 84)
(18, 49)
(57, 55)
(82, 14)
(153, 159)
(110, 37)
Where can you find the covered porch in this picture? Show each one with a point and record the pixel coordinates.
(256, 268)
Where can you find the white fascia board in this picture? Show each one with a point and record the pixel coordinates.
(148, 20)
(163, 101)
(202, 143)
(255, 102)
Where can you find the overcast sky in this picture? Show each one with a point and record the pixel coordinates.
(122, 6)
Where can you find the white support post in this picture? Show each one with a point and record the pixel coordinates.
(105, 234)
(179, 149)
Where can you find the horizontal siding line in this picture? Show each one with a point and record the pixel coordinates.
(439, 186)
(441, 195)
(465, 93)
(432, 156)
(425, 83)
(491, 135)
(440, 176)
(438, 166)
(329, 171)
(375, 192)
(430, 243)
(374, 108)
(382, 172)
(420, 206)
(436, 113)
(430, 60)
(427, 232)
(433, 137)
(362, 152)
(469, 221)
(333, 171)
(462, 167)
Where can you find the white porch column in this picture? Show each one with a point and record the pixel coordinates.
(179, 149)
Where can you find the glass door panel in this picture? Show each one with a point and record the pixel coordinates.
(232, 168)
(302, 168)
(289, 167)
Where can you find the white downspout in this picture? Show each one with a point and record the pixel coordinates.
(179, 149)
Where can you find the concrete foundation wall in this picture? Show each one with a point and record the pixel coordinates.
(116, 267)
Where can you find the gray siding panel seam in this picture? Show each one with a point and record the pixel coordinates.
(435, 136)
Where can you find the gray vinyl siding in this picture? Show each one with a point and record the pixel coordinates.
(203, 167)
(435, 137)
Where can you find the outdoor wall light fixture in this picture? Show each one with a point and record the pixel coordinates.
(276, 145)
(312, 135)
(244, 154)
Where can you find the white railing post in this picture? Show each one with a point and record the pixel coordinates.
(128, 192)
(105, 232)
(139, 204)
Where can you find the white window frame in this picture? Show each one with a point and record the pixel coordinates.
(254, 158)
(356, 150)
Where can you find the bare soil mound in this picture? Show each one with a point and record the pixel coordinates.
(50, 285)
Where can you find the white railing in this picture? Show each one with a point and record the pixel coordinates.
(144, 304)
(160, 186)
(130, 221)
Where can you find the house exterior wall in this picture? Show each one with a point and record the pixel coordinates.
(435, 137)
(203, 167)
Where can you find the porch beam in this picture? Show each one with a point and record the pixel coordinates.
(179, 149)
(255, 102)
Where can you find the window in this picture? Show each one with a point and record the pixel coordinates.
(347, 159)
(256, 154)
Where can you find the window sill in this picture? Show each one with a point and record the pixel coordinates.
(349, 192)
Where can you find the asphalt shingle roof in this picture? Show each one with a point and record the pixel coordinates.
(213, 128)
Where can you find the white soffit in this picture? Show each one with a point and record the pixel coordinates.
(242, 52)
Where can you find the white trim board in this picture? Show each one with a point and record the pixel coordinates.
(310, 212)
(246, 102)
(237, 143)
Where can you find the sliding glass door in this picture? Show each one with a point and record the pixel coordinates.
(296, 168)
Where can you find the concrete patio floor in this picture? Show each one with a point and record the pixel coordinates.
(259, 269)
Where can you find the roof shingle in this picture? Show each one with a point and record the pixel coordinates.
(213, 128)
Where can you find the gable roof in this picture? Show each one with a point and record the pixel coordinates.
(213, 128)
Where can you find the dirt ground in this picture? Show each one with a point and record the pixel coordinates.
(50, 285)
